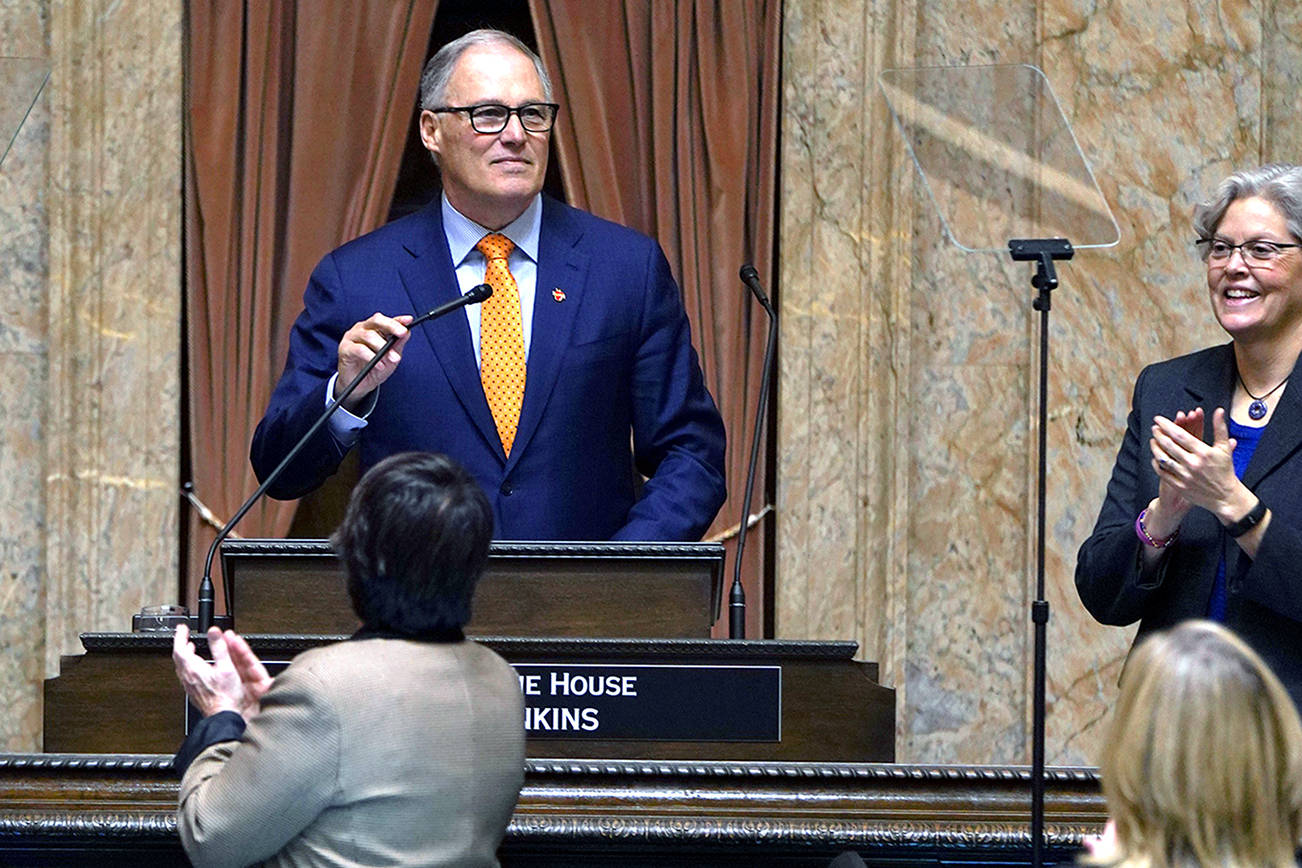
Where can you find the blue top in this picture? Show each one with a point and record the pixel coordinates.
(1246, 439)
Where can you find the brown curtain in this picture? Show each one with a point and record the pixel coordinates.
(669, 125)
(297, 115)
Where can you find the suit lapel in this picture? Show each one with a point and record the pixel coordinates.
(1212, 386)
(1282, 437)
(562, 270)
(430, 281)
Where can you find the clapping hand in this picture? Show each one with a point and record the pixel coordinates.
(1191, 471)
(235, 680)
(1171, 506)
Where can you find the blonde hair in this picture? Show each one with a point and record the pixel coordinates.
(1202, 761)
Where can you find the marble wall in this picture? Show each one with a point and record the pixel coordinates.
(907, 398)
(90, 336)
(24, 340)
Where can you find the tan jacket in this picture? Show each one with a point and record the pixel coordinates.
(365, 753)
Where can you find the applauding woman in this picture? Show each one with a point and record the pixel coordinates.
(1203, 514)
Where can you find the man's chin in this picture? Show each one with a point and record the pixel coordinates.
(497, 205)
(516, 188)
(517, 176)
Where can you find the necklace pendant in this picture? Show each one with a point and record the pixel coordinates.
(1257, 410)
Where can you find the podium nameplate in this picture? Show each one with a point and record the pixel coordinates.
(651, 702)
(699, 703)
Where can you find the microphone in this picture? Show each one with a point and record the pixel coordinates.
(737, 594)
(206, 593)
(750, 277)
(473, 296)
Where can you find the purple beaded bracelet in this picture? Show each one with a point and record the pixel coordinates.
(1148, 540)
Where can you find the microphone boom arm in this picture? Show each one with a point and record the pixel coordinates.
(737, 594)
(206, 590)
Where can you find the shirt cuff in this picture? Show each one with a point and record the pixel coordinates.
(219, 727)
(345, 426)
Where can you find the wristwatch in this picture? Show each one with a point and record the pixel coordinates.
(1248, 522)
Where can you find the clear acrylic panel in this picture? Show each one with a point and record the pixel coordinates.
(21, 80)
(997, 156)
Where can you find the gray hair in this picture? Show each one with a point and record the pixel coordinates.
(1277, 183)
(438, 69)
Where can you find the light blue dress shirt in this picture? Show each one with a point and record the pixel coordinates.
(463, 234)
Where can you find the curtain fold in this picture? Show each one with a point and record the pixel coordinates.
(669, 125)
(297, 114)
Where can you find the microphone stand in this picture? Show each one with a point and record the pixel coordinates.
(1041, 251)
(206, 593)
(737, 595)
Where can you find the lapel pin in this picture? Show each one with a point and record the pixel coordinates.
(558, 294)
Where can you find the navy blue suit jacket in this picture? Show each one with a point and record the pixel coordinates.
(613, 386)
(1265, 593)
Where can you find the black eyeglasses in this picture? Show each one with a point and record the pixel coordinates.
(490, 118)
(1256, 252)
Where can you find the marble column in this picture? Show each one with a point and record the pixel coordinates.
(23, 345)
(90, 336)
(115, 313)
(844, 191)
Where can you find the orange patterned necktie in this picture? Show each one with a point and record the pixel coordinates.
(501, 342)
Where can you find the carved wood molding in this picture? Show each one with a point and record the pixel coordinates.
(65, 825)
(802, 833)
(84, 762)
(883, 773)
(516, 646)
(502, 550)
(577, 803)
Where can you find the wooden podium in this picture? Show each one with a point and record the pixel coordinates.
(555, 611)
(121, 696)
(604, 590)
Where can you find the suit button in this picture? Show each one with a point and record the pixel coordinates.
(506, 489)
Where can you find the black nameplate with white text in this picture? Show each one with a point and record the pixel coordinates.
(652, 703)
(640, 702)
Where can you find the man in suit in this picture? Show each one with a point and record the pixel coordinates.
(401, 746)
(559, 393)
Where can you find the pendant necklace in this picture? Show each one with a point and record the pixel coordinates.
(1257, 409)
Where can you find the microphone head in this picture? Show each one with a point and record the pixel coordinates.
(750, 277)
(479, 293)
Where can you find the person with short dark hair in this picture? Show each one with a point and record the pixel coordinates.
(402, 746)
(424, 527)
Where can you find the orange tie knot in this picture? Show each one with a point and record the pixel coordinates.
(495, 246)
